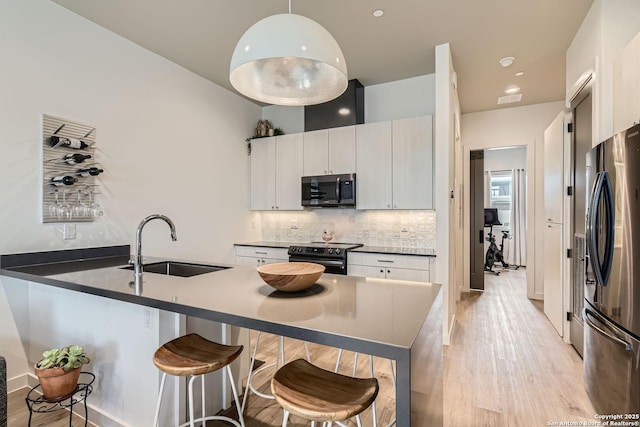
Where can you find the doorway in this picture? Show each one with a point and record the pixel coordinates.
(497, 182)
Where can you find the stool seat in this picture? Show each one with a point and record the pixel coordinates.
(316, 394)
(193, 355)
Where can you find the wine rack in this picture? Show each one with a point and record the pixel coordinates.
(68, 203)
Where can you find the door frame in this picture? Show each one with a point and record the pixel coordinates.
(531, 216)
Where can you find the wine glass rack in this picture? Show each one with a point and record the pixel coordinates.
(76, 202)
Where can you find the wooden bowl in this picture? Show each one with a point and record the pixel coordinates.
(291, 276)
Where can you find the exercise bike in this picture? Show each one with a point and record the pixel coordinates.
(495, 254)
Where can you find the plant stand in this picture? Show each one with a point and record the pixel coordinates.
(38, 404)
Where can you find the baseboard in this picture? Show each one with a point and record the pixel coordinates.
(447, 337)
(16, 383)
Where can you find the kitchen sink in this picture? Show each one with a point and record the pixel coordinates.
(176, 268)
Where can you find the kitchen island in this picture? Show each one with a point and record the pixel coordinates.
(386, 318)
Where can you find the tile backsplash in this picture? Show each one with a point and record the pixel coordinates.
(402, 228)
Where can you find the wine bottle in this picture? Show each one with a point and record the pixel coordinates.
(89, 171)
(67, 142)
(75, 158)
(63, 180)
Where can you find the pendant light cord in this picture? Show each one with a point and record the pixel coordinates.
(289, 7)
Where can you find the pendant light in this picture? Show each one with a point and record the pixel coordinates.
(289, 60)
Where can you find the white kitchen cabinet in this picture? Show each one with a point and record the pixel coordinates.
(276, 169)
(626, 84)
(394, 164)
(373, 166)
(554, 170)
(413, 163)
(330, 151)
(383, 266)
(259, 255)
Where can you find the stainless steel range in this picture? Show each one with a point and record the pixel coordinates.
(333, 255)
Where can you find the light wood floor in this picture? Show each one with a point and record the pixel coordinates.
(505, 367)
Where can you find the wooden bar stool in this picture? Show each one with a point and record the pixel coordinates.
(193, 356)
(316, 394)
(279, 362)
(355, 368)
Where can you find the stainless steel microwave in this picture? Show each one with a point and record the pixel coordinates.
(329, 191)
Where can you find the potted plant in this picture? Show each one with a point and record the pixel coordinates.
(59, 370)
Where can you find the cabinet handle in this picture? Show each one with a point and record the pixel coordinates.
(381, 271)
(480, 236)
(388, 271)
(260, 253)
(388, 206)
(325, 172)
(385, 260)
(273, 207)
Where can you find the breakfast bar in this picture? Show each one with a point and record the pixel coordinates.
(396, 320)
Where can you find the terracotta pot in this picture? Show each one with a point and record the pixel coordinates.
(56, 383)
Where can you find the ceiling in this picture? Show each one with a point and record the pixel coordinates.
(200, 35)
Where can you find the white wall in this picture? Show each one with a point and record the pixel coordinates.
(518, 126)
(169, 142)
(606, 30)
(506, 158)
(400, 99)
(446, 139)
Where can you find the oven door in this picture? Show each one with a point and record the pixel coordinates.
(333, 266)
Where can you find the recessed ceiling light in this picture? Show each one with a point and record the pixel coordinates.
(520, 74)
(511, 90)
(378, 13)
(344, 111)
(507, 61)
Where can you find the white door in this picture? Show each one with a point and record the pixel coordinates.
(553, 231)
(553, 301)
(553, 170)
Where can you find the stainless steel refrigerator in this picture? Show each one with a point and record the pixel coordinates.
(612, 284)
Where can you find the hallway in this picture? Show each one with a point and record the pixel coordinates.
(506, 365)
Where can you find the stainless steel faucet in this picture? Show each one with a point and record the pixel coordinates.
(137, 259)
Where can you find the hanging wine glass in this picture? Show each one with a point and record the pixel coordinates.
(79, 210)
(65, 212)
(94, 207)
(53, 208)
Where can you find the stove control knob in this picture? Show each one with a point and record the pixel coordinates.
(338, 251)
(330, 250)
(299, 249)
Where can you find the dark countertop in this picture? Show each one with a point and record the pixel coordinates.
(265, 244)
(372, 249)
(396, 251)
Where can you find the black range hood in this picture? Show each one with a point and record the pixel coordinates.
(345, 110)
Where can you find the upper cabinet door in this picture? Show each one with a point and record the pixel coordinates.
(554, 170)
(263, 174)
(373, 166)
(289, 171)
(413, 163)
(316, 153)
(342, 150)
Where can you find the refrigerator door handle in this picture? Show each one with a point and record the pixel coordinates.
(601, 185)
(616, 340)
(610, 242)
